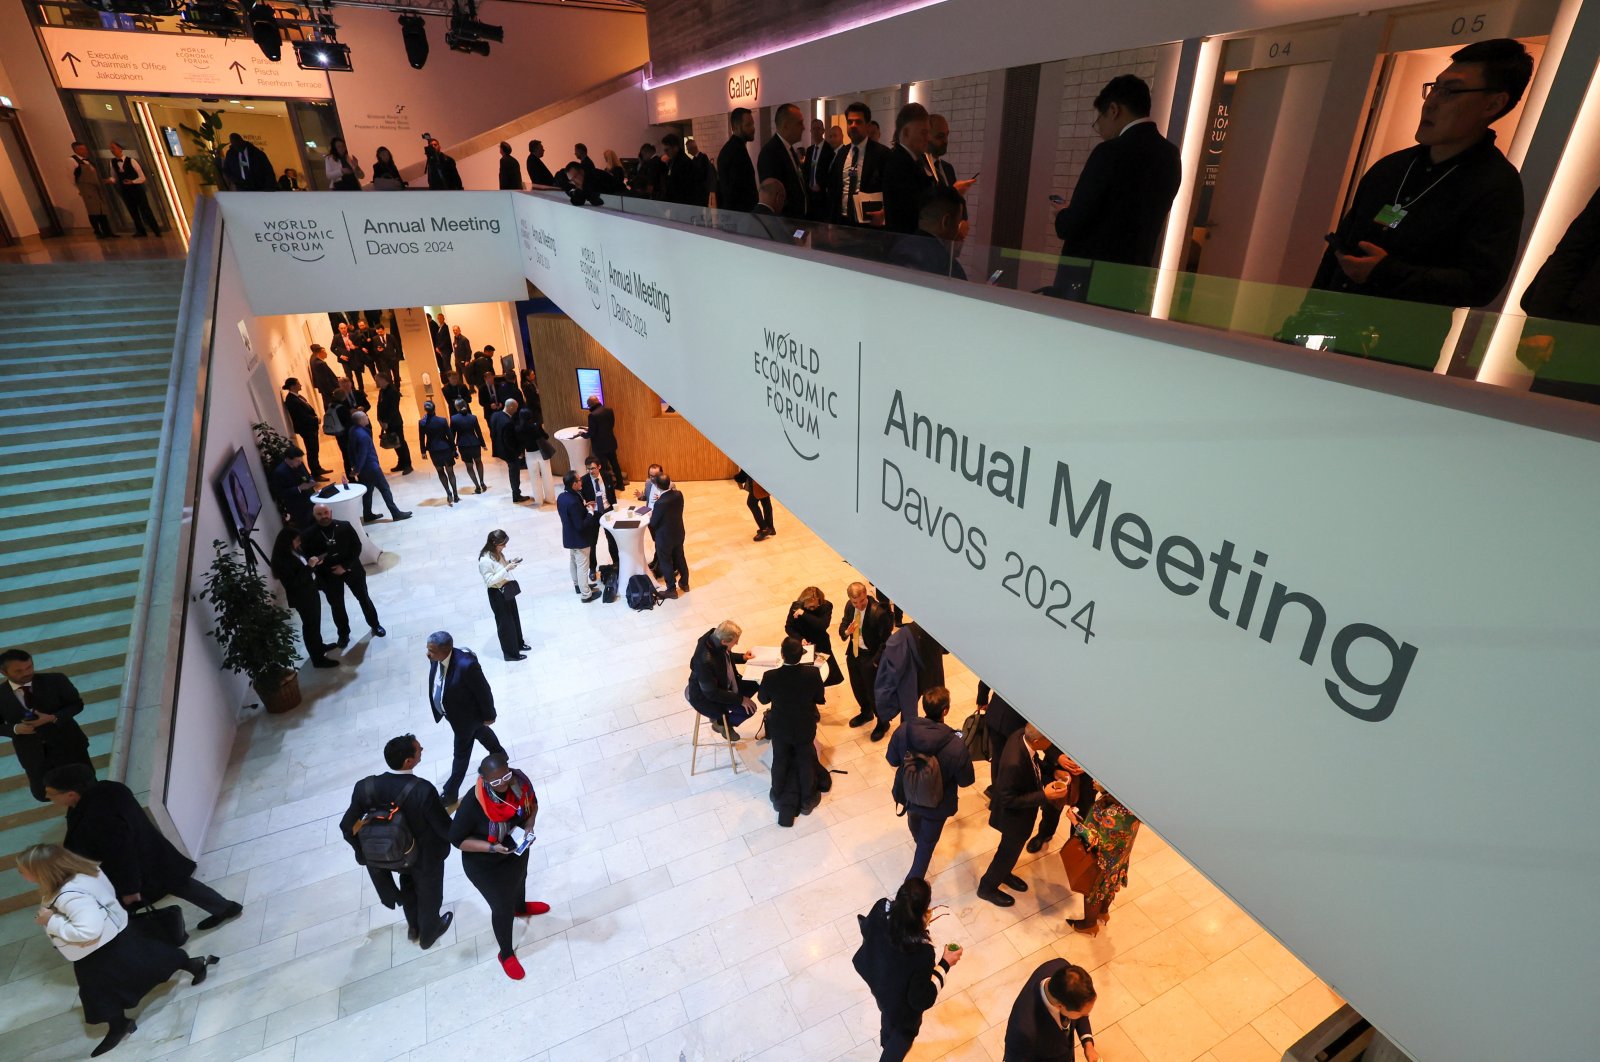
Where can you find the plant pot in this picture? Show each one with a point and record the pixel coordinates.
(285, 698)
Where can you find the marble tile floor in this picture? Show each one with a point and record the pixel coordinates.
(687, 926)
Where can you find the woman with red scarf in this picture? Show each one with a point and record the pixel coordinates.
(487, 828)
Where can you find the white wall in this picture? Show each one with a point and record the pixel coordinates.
(25, 78)
(550, 54)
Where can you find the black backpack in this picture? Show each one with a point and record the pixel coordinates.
(919, 783)
(641, 593)
(382, 836)
(608, 583)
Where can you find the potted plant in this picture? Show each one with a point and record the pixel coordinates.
(253, 629)
(272, 446)
(205, 161)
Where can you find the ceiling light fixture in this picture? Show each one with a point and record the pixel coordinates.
(467, 33)
(415, 35)
(264, 29)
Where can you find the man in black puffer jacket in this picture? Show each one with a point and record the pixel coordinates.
(930, 736)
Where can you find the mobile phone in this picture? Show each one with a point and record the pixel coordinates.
(1056, 199)
(994, 278)
(799, 234)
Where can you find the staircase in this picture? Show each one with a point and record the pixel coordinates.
(85, 355)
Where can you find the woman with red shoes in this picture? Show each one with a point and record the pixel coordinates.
(493, 822)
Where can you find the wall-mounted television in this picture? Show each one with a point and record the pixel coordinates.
(236, 489)
(174, 143)
(589, 384)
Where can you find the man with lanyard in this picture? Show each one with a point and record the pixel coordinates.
(1437, 223)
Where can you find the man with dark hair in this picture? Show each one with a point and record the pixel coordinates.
(1119, 206)
(580, 530)
(857, 166)
(794, 690)
(510, 173)
(666, 528)
(736, 176)
(781, 160)
(905, 174)
(129, 177)
(1437, 223)
(337, 543)
(305, 423)
(678, 183)
(1052, 1008)
(647, 181)
(579, 191)
(538, 173)
(459, 694)
(441, 169)
(1563, 347)
(875, 132)
(420, 888)
(931, 736)
(292, 485)
(247, 168)
(36, 713)
(105, 823)
(580, 154)
(817, 158)
(602, 428)
(932, 248)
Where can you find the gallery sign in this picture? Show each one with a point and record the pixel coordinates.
(318, 251)
(1294, 623)
(185, 64)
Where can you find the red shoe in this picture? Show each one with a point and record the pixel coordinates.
(513, 968)
(534, 907)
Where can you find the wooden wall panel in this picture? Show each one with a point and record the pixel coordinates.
(644, 434)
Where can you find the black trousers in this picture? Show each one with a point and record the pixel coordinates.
(794, 775)
(514, 472)
(761, 509)
(138, 204)
(504, 886)
(507, 621)
(309, 607)
(53, 746)
(377, 484)
(610, 466)
(101, 224)
(926, 830)
(402, 453)
(202, 896)
(674, 568)
(1005, 858)
(343, 439)
(333, 588)
(310, 443)
(863, 674)
(465, 735)
(421, 895)
(896, 1040)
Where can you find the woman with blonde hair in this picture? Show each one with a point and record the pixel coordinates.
(618, 176)
(116, 967)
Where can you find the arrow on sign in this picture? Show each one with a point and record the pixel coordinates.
(71, 60)
(238, 68)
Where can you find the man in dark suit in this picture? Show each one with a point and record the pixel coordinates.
(1565, 295)
(538, 172)
(1019, 793)
(794, 691)
(347, 351)
(246, 167)
(387, 354)
(305, 423)
(324, 380)
(506, 444)
(601, 499)
(337, 543)
(292, 485)
(603, 440)
(442, 345)
(932, 247)
(420, 888)
(736, 177)
(36, 713)
(666, 527)
(864, 630)
(1051, 1008)
(105, 823)
(780, 162)
(461, 349)
(579, 530)
(651, 175)
(1120, 203)
(679, 184)
(857, 166)
(815, 164)
(459, 693)
(369, 470)
(768, 213)
(905, 172)
(481, 366)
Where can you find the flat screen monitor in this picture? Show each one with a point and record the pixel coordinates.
(174, 143)
(236, 488)
(589, 384)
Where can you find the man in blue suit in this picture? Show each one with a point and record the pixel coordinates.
(364, 460)
(459, 693)
(580, 529)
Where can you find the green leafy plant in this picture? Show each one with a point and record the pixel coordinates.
(206, 159)
(272, 446)
(252, 628)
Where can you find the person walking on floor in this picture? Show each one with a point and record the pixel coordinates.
(298, 575)
(105, 823)
(469, 440)
(391, 423)
(1051, 1010)
(930, 737)
(115, 966)
(496, 568)
(794, 691)
(899, 964)
(489, 829)
(304, 421)
(364, 461)
(580, 530)
(459, 693)
(439, 442)
(1019, 793)
(36, 713)
(338, 569)
(400, 793)
(759, 502)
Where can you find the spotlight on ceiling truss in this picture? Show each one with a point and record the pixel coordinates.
(415, 35)
(467, 33)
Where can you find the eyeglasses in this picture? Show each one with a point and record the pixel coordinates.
(504, 779)
(1448, 92)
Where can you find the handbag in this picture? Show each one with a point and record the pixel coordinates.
(510, 588)
(1083, 871)
(160, 923)
(975, 732)
(332, 423)
(390, 439)
(547, 449)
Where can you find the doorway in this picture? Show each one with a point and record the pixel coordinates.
(28, 210)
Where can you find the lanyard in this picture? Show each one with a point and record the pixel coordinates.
(1398, 192)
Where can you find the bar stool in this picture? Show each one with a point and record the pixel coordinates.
(722, 741)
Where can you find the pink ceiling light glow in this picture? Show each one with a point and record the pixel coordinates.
(830, 30)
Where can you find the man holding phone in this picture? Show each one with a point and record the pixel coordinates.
(1019, 792)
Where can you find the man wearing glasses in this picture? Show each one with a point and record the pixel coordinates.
(1436, 223)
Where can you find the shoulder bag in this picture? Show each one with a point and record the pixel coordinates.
(160, 923)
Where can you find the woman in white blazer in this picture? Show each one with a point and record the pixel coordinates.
(496, 568)
(116, 966)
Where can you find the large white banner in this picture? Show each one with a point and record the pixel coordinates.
(183, 64)
(332, 250)
(1337, 645)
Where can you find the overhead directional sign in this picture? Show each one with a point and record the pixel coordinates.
(116, 61)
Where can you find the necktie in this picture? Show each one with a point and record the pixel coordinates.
(438, 690)
(244, 165)
(27, 696)
(935, 169)
(855, 172)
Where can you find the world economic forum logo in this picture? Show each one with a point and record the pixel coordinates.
(797, 393)
(302, 239)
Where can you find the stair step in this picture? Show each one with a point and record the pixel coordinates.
(89, 529)
(84, 448)
(43, 412)
(19, 586)
(140, 339)
(85, 609)
(48, 559)
(89, 332)
(143, 368)
(19, 477)
(85, 394)
(45, 509)
(49, 638)
(79, 429)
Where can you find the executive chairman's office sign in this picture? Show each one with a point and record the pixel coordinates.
(185, 64)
